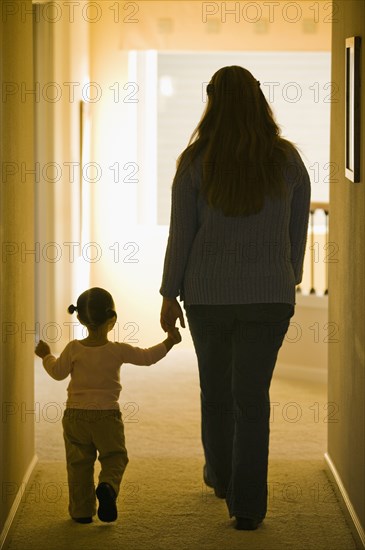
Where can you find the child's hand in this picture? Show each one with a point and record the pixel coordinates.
(174, 335)
(42, 349)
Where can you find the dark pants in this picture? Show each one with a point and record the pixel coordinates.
(237, 348)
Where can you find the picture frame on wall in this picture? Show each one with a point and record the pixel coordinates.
(352, 108)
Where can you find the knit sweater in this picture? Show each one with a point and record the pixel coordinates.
(94, 370)
(216, 259)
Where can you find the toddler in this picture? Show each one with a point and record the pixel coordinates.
(92, 421)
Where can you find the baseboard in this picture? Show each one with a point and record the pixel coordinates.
(5, 534)
(345, 502)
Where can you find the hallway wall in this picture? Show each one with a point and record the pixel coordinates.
(346, 383)
(17, 267)
(62, 73)
(30, 187)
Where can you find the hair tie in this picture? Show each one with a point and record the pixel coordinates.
(71, 309)
(210, 89)
(258, 82)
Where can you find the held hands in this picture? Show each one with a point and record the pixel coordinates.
(170, 311)
(42, 349)
(174, 335)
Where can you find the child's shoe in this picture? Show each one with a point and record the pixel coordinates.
(107, 510)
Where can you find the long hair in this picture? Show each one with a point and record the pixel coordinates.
(243, 154)
(94, 307)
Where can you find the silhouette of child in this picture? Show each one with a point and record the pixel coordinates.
(92, 421)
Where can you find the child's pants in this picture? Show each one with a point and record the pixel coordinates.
(85, 432)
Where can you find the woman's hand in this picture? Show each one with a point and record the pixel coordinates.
(42, 349)
(170, 311)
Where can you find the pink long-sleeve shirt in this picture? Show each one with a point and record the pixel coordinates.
(95, 371)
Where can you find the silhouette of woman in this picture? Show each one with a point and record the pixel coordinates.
(238, 229)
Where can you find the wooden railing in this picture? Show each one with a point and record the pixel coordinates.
(314, 251)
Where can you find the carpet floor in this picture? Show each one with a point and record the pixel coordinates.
(163, 503)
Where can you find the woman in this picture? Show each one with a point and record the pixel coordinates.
(238, 229)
